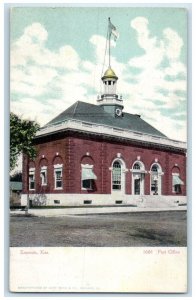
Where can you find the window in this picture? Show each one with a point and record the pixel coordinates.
(32, 179)
(136, 166)
(87, 184)
(87, 201)
(58, 176)
(43, 175)
(177, 189)
(116, 176)
(176, 183)
(156, 181)
(154, 168)
(88, 177)
(154, 185)
(57, 202)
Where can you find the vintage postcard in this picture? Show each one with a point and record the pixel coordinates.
(98, 149)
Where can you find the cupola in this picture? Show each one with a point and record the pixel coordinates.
(109, 99)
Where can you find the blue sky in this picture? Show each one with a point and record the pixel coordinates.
(57, 57)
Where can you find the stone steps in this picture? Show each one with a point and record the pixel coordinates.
(156, 202)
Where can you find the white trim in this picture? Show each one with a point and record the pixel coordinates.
(44, 168)
(31, 169)
(86, 166)
(111, 131)
(138, 170)
(58, 166)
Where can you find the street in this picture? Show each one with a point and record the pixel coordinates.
(147, 229)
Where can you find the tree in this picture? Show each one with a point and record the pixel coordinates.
(22, 133)
(17, 176)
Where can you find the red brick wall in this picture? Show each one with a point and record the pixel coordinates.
(73, 151)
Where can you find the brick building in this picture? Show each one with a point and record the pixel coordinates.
(101, 155)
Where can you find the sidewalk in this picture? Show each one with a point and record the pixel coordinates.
(44, 212)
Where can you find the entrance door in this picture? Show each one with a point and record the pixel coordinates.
(137, 186)
(156, 179)
(138, 177)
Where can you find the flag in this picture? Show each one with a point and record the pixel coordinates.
(113, 31)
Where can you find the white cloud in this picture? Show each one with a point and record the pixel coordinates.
(37, 71)
(146, 42)
(30, 47)
(161, 75)
(173, 44)
(35, 32)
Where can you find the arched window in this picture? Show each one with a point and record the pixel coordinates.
(116, 176)
(156, 179)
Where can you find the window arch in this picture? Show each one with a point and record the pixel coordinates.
(138, 165)
(156, 168)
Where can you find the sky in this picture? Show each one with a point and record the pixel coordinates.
(58, 57)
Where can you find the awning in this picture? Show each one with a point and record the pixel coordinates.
(177, 180)
(88, 173)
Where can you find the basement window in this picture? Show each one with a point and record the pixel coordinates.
(118, 202)
(56, 201)
(87, 201)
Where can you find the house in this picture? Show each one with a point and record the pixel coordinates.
(101, 155)
(15, 193)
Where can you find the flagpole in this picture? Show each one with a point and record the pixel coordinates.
(109, 32)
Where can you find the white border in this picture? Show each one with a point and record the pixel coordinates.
(191, 144)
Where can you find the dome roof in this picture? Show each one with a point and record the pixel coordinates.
(109, 73)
